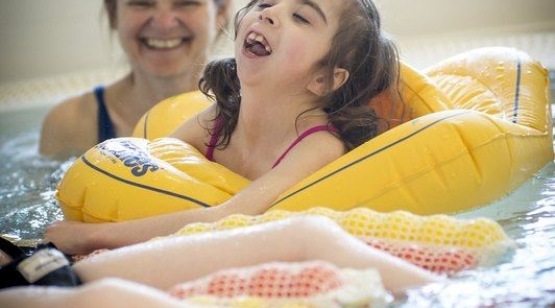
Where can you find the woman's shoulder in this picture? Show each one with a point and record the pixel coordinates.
(70, 124)
(73, 110)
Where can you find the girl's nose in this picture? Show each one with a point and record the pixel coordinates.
(269, 16)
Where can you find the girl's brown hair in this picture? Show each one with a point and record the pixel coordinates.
(370, 58)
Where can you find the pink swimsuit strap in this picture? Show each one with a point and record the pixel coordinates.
(306, 133)
(214, 138)
(219, 125)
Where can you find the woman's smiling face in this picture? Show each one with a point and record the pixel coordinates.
(285, 38)
(167, 37)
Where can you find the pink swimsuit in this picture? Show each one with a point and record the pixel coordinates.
(219, 125)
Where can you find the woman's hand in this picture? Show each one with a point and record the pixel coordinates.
(72, 237)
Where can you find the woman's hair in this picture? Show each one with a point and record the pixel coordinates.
(371, 60)
(111, 6)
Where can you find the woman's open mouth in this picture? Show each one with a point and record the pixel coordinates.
(153, 43)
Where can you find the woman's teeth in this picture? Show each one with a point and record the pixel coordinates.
(162, 44)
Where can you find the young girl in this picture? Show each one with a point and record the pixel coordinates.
(295, 101)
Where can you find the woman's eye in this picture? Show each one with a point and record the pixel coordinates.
(186, 3)
(140, 3)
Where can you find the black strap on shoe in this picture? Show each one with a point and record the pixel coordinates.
(10, 248)
(46, 266)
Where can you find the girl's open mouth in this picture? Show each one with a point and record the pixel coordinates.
(257, 44)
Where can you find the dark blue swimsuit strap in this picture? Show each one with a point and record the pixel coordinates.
(105, 127)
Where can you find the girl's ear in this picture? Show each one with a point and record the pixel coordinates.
(318, 84)
(340, 76)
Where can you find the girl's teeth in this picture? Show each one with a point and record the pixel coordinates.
(254, 37)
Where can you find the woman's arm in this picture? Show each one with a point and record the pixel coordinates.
(74, 237)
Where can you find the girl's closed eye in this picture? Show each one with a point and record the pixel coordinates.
(309, 13)
(264, 4)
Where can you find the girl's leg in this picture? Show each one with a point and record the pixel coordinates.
(108, 292)
(329, 242)
(166, 262)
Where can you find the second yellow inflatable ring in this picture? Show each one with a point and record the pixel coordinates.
(474, 127)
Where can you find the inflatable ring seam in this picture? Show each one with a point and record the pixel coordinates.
(361, 159)
(142, 186)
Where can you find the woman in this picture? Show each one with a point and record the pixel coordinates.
(167, 43)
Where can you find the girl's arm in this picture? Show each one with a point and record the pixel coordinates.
(80, 238)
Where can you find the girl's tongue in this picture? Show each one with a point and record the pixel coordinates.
(257, 45)
(257, 49)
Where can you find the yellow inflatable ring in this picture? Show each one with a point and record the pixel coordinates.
(130, 178)
(439, 243)
(169, 114)
(474, 127)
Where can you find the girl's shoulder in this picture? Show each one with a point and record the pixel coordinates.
(315, 151)
(197, 130)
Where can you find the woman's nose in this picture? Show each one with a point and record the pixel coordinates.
(165, 19)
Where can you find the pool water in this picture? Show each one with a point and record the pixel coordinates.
(524, 279)
(27, 181)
